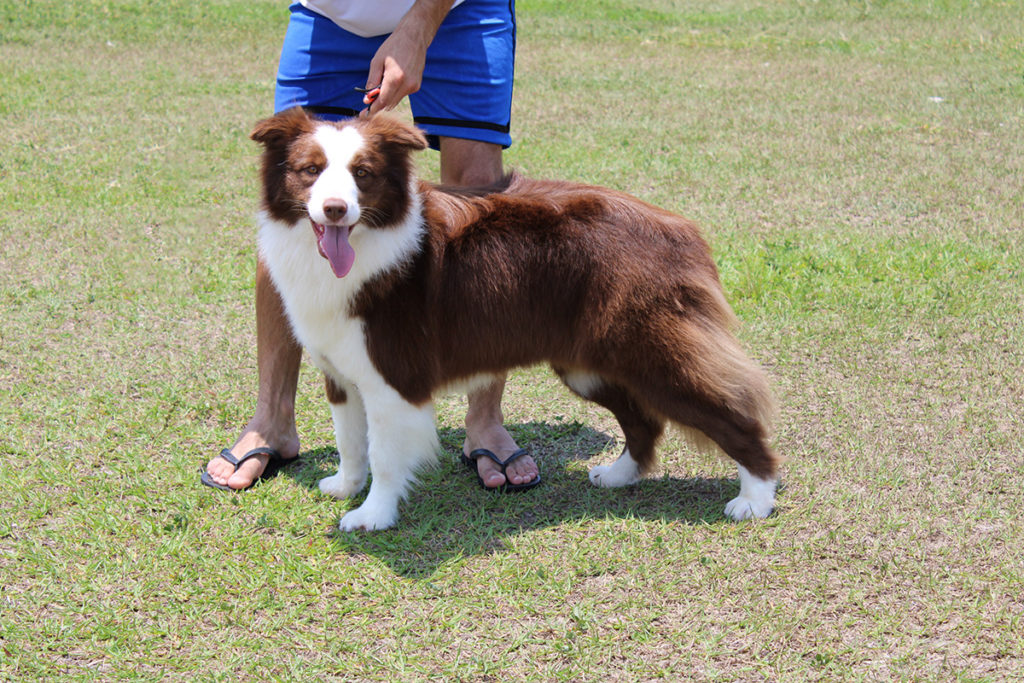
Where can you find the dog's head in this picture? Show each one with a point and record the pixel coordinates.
(340, 177)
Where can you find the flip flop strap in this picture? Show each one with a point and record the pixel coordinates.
(226, 454)
(515, 456)
(237, 462)
(483, 452)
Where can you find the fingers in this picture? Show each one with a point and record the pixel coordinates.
(394, 86)
(397, 67)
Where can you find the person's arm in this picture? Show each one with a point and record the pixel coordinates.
(398, 65)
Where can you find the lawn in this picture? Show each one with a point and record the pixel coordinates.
(858, 168)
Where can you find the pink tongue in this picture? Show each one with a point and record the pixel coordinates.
(334, 245)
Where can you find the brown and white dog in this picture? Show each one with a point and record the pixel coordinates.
(400, 289)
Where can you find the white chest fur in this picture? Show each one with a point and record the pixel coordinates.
(317, 302)
(375, 427)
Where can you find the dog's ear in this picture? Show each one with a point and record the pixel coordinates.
(284, 126)
(397, 132)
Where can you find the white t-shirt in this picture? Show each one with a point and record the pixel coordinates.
(364, 17)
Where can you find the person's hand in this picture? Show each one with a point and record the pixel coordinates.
(397, 67)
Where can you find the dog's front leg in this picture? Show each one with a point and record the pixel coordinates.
(350, 435)
(402, 439)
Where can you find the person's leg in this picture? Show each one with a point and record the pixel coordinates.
(319, 67)
(278, 356)
(470, 163)
(475, 163)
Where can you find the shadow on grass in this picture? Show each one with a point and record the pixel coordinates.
(448, 514)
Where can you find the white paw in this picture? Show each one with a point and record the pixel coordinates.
(341, 486)
(597, 474)
(366, 518)
(756, 499)
(743, 507)
(622, 472)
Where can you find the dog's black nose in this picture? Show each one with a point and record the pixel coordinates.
(335, 209)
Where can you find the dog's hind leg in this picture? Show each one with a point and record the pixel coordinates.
(756, 499)
(350, 435)
(743, 438)
(640, 429)
(723, 394)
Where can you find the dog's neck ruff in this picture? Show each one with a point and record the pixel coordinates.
(305, 278)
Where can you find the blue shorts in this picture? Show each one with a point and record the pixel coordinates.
(467, 82)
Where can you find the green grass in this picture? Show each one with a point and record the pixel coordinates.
(857, 167)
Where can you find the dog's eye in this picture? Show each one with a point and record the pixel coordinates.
(312, 169)
(362, 172)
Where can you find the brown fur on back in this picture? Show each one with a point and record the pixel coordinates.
(584, 278)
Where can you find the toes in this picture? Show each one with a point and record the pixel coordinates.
(490, 473)
(339, 486)
(368, 518)
(249, 472)
(215, 474)
(596, 472)
(741, 508)
(622, 472)
(522, 470)
(220, 470)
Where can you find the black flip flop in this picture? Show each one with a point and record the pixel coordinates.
(470, 461)
(273, 465)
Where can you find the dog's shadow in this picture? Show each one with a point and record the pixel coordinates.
(448, 514)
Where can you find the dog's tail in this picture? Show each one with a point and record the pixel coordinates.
(717, 395)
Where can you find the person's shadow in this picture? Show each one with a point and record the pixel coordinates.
(448, 514)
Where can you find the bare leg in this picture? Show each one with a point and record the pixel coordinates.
(473, 163)
(485, 429)
(278, 356)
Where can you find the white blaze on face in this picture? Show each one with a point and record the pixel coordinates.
(336, 184)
